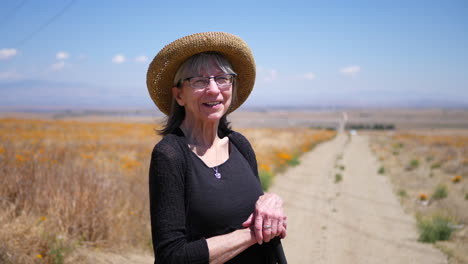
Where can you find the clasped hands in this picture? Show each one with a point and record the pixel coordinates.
(268, 219)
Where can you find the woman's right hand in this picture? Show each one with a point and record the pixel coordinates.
(265, 235)
(268, 220)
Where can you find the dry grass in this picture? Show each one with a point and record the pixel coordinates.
(67, 185)
(438, 184)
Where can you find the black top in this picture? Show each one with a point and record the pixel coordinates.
(189, 204)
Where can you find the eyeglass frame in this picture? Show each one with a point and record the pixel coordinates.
(233, 75)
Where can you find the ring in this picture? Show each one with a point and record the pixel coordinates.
(267, 226)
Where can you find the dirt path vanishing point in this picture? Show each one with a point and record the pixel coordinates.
(357, 220)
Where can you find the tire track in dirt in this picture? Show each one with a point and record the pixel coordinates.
(357, 220)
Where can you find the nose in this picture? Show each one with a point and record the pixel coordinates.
(213, 86)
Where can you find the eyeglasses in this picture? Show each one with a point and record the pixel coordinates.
(223, 81)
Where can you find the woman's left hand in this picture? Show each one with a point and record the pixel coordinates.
(268, 219)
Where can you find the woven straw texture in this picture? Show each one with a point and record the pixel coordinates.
(165, 64)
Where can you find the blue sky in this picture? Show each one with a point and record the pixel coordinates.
(85, 53)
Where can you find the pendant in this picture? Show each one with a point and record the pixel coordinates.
(217, 174)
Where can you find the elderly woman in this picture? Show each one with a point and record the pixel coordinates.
(206, 200)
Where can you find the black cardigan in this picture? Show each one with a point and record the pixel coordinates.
(170, 161)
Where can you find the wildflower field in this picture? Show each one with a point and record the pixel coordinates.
(68, 185)
(430, 173)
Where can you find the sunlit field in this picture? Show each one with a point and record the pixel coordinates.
(430, 173)
(68, 185)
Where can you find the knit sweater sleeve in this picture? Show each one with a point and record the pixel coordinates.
(167, 206)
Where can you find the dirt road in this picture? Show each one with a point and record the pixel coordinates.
(356, 220)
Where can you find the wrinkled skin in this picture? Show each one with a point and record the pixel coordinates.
(268, 212)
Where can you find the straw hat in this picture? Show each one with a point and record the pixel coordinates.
(161, 72)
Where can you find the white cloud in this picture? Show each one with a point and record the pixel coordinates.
(10, 75)
(309, 76)
(62, 55)
(7, 53)
(271, 75)
(352, 71)
(141, 58)
(119, 58)
(57, 66)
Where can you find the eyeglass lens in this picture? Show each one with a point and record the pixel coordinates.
(222, 81)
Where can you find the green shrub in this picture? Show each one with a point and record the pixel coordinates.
(440, 192)
(414, 164)
(58, 254)
(58, 249)
(466, 196)
(294, 161)
(434, 229)
(381, 170)
(338, 177)
(435, 166)
(402, 193)
(395, 153)
(266, 178)
(342, 167)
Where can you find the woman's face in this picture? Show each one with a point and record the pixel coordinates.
(204, 105)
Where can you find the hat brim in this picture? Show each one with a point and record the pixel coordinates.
(161, 72)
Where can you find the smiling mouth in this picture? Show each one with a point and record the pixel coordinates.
(212, 103)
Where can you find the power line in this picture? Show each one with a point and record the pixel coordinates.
(11, 14)
(47, 23)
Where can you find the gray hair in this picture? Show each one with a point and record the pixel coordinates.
(195, 66)
(198, 63)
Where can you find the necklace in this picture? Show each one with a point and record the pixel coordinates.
(217, 174)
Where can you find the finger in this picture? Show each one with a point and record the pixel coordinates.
(284, 228)
(267, 226)
(274, 228)
(283, 233)
(280, 228)
(248, 222)
(258, 229)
